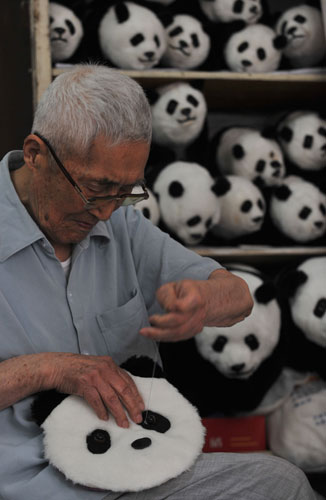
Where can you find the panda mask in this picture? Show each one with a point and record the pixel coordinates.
(100, 455)
(179, 112)
(302, 135)
(238, 351)
(66, 32)
(187, 43)
(132, 36)
(298, 209)
(303, 28)
(225, 11)
(242, 207)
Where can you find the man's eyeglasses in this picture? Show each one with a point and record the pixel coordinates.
(95, 201)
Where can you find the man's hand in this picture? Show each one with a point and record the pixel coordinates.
(222, 300)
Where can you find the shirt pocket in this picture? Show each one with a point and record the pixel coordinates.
(120, 329)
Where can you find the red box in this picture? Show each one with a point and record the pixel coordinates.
(235, 434)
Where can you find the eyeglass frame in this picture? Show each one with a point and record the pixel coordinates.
(89, 202)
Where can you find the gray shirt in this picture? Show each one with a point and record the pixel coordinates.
(108, 297)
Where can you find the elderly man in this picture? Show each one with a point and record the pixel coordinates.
(87, 281)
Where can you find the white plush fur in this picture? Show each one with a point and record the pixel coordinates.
(256, 148)
(306, 44)
(236, 221)
(182, 50)
(149, 207)
(264, 322)
(223, 10)
(115, 38)
(196, 201)
(66, 32)
(259, 38)
(303, 124)
(285, 213)
(178, 128)
(306, 298)
(123, 468)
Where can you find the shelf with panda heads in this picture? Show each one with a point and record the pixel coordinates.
(224, 91)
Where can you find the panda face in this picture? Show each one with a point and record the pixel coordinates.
(188, 205)
(244, 151)
(226, 11)
(303, 138)
(178, 115)
(187, 44)
(66, 32)
(308, 305)
(99, 454)
(298, 209)
(132, 36)
(149, 207)
(253, 50)
(237, 351)
(242, 208)
(303, 28)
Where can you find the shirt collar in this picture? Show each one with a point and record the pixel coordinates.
(18, 229)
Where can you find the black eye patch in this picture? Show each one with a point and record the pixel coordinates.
(71, 27)
(157, 41)
(155, 422)
(195, 40)
(320, 308)
(252, 342)
(98, 441)
(137, 39)
(219, 343)
(308, 141)
(246, 206)
(243, 46)
(51, 19)
(175, 31)
(171, 107)
(193, 221)
(261, 54)
(322, 131)
(192, 100)
(261, 204)
(260, 166)
(238, 6)
(238, 151)
(304, 213)
(300, 19)
(322, 208)
(176, 189)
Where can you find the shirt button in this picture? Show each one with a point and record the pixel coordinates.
(86, 353)
(70, 294)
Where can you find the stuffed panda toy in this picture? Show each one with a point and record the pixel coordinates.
(66, 32)
(298, 210)
(254, 48)
(250, 153)
(100, 455)
(131, 36)
(149, 207)
(226, 11)
(302, 292)
(229, 370)
(179, 118)
(302, 136)
(302, 26)
(242, 208)
(188, 204)
(188, 45)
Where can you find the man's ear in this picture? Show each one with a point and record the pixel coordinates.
(33, 148)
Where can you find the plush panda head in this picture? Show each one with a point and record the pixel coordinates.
(247, 152)
(237, 351)
(308, 300)
(99, 454)
(302, 135)
(132, 36)
(187, 43)
(303, 27)
(149, 207)
(225, 11)
(242, 207)
(188, 205)
(179, 112)
(254, 49)
(66, 32)
(298, 209)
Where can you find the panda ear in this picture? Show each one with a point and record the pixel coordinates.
(279, 42)
(122, 12)
(290, 282)
(143, 366)
(268, 133)
(286, 134)
(222, 185)
(265, 293)
(282, 192)
(238, 152)
(44, 403)
(166, 18)
(152, 96)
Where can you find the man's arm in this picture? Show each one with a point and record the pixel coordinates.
(222, 300)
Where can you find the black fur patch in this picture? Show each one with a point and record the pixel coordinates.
(282, 193)
(265, 293)
(221, 186)
(142, 366)
(176, 189)
(122, 12)
(286, 134)
(238, 151)
(44, 403)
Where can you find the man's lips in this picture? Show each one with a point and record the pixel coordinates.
(85, 226)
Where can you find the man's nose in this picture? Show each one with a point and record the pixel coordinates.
(104, 211)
